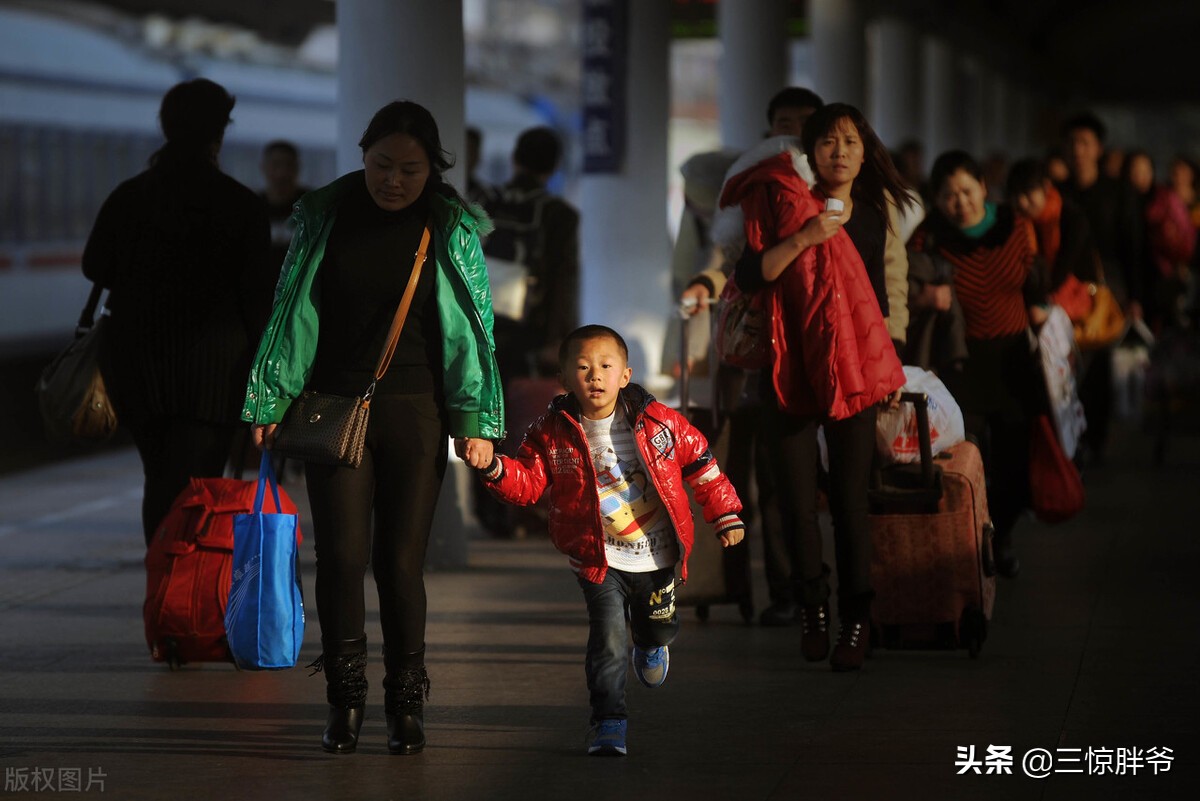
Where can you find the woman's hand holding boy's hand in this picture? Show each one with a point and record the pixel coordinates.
(474, 451)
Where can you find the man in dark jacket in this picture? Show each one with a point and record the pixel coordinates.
(182, 247)
(1112, 218)
(536, 241)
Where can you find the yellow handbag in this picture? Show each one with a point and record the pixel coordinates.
(1104, 324)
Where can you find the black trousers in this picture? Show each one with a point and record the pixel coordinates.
(173, 451)
(380, 514)
(747, 465)
(1003, 438)
(792, 449)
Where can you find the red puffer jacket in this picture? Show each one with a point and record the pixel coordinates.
(555, 455)
(833, 356)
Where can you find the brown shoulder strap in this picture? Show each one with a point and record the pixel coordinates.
(385, 358)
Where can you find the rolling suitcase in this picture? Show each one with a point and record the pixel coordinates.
(189, 570)
(716, 575)
(932, 566)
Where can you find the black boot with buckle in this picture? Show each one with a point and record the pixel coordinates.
(406, 688)
(345, 667)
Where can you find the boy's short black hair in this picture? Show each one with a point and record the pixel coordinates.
(793, 97)
(590, 332)
(1085, 121)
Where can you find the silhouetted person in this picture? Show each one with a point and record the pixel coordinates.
(477, 191)
(1112, 217)
(281, 169)
(536, 236)
(183, 249)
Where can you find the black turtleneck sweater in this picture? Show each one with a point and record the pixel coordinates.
(367, 263)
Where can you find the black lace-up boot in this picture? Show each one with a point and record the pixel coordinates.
(405, 690)
(854, 633)
(345, 667)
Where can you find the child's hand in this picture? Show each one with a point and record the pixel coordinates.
(732, 536)
(475, 452)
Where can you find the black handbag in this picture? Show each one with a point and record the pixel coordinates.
(332, 429)
(71, 396)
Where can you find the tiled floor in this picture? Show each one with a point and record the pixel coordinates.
(1094, 646)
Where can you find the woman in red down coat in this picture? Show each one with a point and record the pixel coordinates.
(833, 361)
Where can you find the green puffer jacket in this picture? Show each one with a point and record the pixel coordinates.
(471, 383)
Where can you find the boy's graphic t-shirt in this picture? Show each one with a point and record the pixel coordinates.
(638, 535)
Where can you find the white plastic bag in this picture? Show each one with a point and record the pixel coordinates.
(896, 431)
(1056, 344)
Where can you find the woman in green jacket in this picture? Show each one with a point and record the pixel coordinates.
(350, 258)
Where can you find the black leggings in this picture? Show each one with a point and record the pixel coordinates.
(173, 451)
(792, 449)
(399, 479)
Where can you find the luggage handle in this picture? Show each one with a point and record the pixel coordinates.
(920, 402)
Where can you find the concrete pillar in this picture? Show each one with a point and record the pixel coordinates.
(409, 51)
(625, 248)
(839, 50)
(399, 51)
(1018, 123)
(753, 66)
(939, 113)
(893, 80)
(995, 100)
(969, 93)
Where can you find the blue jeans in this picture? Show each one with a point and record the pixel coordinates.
(647, 601)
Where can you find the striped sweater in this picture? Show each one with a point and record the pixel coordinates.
(995, 276)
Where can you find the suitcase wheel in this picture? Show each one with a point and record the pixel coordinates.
(702, 612)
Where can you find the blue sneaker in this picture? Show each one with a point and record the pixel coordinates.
(608, 738)
(651, 665)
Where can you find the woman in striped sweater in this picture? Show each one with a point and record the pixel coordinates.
(1001, 287)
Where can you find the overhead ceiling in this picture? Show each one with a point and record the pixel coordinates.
(1132, 52)
(1116, 51)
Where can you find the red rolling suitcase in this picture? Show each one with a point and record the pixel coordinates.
(188, 570)
(932, 567)
(716, 575)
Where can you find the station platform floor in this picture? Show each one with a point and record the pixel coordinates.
(1092, 655)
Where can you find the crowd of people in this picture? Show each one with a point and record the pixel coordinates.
(225, 307)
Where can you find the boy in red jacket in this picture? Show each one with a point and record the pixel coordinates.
(615, 461)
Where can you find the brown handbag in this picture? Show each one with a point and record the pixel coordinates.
(332, 429)
(71, 396)
(1104, 322)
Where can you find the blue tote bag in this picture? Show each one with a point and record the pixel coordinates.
(264, 621)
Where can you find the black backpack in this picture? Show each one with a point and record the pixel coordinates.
(514, 249)
(517, 215)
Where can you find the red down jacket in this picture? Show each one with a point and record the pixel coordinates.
(833, 356)
(554, 456)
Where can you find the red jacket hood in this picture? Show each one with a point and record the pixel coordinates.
(833, 356)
